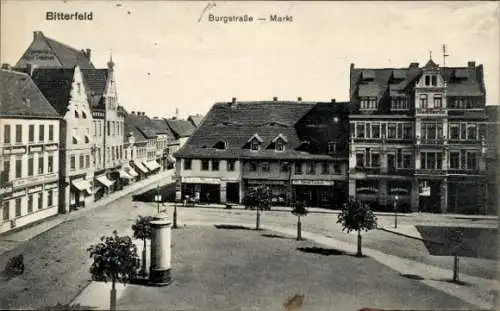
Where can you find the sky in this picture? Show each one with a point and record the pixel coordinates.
(166, 58)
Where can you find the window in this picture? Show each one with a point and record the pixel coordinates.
(407, 131)
(30, 203)
(360, 130)
(31, 133)
(19, 167)
(50, 164)
(360, 159)
(266, 167)
(284, 167)
(18, 207)
(399, 103)
(205, 165)
(79, 88)
(471, 132)
(423, 101)
(215, 165)
(51, 132)
(431, 160)
(40, 165)
(19, 133)
(81, 162)
(438, 102)
(6, 210)
(50, 198)
(455, 160)
(434, 80)
(280, 146)
(254, 145)
(369, 103)
(6, 134)
(72, 162)
(332, 147)
(298, 168)
(87, 161)
(336, 168)
(252, 167)
(311, 168)
(84, 115)
(324, 167)
(375, 130)
(6, 171)
(406, 160)
(113, 153)
(40, 200)
(30, 166)
(375, 158)
(471, 160)
(391, 130)
(454, 131)
(76, 114)
(109, 128)
(87, 139)
(231, 165)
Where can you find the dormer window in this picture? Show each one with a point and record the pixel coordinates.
(255, 141)
(279, 143)
(220, 145)
(84, 115)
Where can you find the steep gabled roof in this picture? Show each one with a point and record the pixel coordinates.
(19, 96)
(131, 129)
(195, 119)
(55, 84)
(65, 55)
(161, 127)
(96, 80)
(181, 128)
(235, 123)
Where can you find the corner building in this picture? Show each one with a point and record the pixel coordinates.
(298, 149)
(418, 138)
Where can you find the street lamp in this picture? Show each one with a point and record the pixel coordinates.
(158, 198)
(396, 211)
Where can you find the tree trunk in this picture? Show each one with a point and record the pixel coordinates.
(359, 244)
(144, 254)
(257, 222)
(112, 301)
(175, 216)
(299, 229)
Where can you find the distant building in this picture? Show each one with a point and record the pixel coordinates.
(492, 124)
(195, 119)
(418, 135)
(46, 52)
(29, 156)
(299, 149)
(181, 130)
(164, 137)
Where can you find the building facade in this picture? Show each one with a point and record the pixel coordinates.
(298, 149)
(29, 157)
(418, 138)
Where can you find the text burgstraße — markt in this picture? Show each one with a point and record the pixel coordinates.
(275, 18)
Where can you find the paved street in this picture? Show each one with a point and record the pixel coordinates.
(57, 262)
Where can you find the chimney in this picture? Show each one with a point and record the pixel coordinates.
(233, 100)
(36, 35)
(6, 66)
(471, 64)
(352, 66)
(275, 98)
(88, 51)
(133, 112)
(413, 65)
(333, 100)
(299, 99)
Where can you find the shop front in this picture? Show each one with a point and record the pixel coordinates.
(103, 187)
(201, 189)
(152, 166)
(80, 191)
(140, 169)
(279, 189)
(316, 193)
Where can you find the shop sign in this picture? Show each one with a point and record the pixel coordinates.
(51, 186)
(399, 191)
(35, 189)
(51, 147)
(307, 182)
(201, 180)
(35, 149)
(265, 182)
(367, 189)
(15, 150)
(32, 180)
(5, 190)
(19, 193)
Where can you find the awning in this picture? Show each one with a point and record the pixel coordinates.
(105, 181)
(125, 175)
(141, 167)
(152, 165)
(131, 172)
(82, 185)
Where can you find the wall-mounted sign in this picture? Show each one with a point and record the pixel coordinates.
(35, 149)
(35, 189)
(33, 180)
(307, 182)
(51, 147)
(15, 150)
(51, 186)
(367, 190)
(398, 191)
(19, 193)
(201, 180)
(424, 189)
(5, 190)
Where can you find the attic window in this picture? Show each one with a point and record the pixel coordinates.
(76, 114)
(280, 145)
(254, 145)
(84, 115)
(220, 145)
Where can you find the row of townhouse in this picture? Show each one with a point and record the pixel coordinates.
(65, 140)
(418, 138)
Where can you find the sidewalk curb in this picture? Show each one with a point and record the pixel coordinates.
(409, 236)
